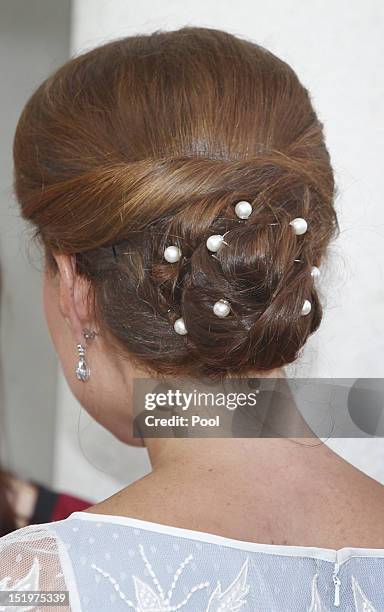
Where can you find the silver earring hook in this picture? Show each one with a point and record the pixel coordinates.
(89, 334)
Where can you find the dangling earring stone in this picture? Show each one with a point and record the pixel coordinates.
(306, 309)
(172, 254)
(243, 209)
(179, 327)
(82, 370)
(214, 243)
(299, 226)
(221, 308)
(315, 272)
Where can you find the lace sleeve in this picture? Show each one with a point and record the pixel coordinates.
(34, 559)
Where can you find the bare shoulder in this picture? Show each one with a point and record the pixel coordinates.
(334, 508)
(350, 508)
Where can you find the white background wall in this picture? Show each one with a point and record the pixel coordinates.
(34, 40)
(337, 49)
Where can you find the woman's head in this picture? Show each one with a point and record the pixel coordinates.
(150, 141)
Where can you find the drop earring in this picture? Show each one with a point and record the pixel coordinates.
(82, 371)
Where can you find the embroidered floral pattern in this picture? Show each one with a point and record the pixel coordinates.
(36, 558)
(233, 598)
(153, 599)
(362, 604)
(316, 604)
(30, 582)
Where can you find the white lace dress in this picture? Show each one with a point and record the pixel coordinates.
(117, 563)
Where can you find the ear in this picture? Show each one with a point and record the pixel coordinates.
(73, 295)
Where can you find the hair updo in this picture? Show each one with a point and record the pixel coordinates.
(149, 141)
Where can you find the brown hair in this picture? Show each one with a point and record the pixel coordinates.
(150, 141)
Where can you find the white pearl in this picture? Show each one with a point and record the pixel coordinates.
(306, 309)
(221, 308)
(243, 209)
(214, 242)
(299, 226)
(179, 327)
(315, 272)
(172, 254)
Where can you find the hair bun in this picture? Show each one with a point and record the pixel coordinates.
(156, 153)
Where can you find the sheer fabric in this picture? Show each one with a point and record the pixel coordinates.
(117, 563)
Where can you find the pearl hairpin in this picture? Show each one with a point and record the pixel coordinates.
(243, 209)
(306, 309)
(315, 272)
(214, 243)
(299, 226)
(179, 327)
(221, 308)
(172, 254)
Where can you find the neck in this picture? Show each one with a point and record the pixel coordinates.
(255, 450)
(235, 455)
(213, 484)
